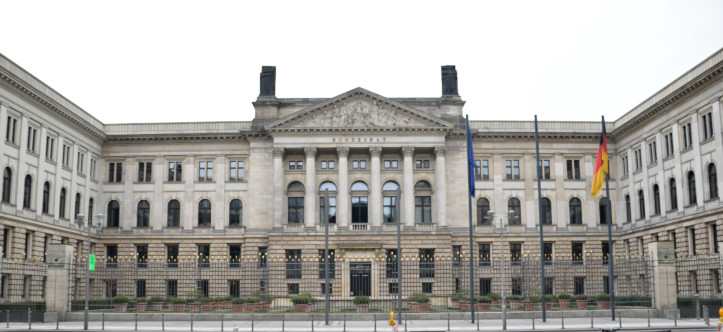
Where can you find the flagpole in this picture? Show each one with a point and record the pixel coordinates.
(540, 212)
(608, 217)
(470, 179)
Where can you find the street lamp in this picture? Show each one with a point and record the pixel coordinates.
(79, 220)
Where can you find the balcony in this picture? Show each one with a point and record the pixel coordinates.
(359, 227)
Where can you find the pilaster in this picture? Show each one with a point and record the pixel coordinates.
(342, 192)
(440, 171)
(310, 206)
(408, 186)
(375, 201)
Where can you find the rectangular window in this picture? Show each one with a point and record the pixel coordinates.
(456, 255)
(652, 153)
(393, 288)
(293, 263)
(423, 209)
(691, 241)
(234, 255)
(713, 237)
(573, 169)
(11, 130)
(515, 252)
(111, 255)
(295, 210)
(687, 136)
(423, 164)
(27, 282)
(485, 254)
(485, 286)
(427, 287)
(358, 164)
(391, 263)
(322, 288)
(66, 156)
(693, 281)
(624, 165)
(327, 164)
(172, 255)
(296, 165)
(204, 252)
(111, 288)
(292, 289)
(512, 169)
(234, 288)
(715, 280)
(145, 170)
(548, 252)
(477, 170)
(516, 286)
(426, 263)
(332, 264)
(263, 259)
(142, 255)
(175, 171)
(140, 288)
(115, 172)
(202, 287)
(171, 288)
(28, 245)
(205, 171)
(638, 159)
(577, 253)
(669, 147)
(579, 285)
(605, 251)
(707, 124)
(545, 172)
(32, 137)
(237, 170)
(92, 168)
(50, 148)
(549, 285)
(391, 164)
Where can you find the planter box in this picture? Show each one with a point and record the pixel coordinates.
(581, 304)
(516, 306)
(178, 307)
(419, 307)
(120, 307)
(302, 307)
(564, 304)
(238, 308)
(603, 304)
(140, 307)
(154, 306)
(362, 308)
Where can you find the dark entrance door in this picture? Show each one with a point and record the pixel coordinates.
(361, 279)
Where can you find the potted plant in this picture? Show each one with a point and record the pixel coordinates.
(581, 302)
(515, 302)
(603, 301)
(253, 304)
(302, 302)
(564, 300)
(483, 303)
(494, 298)
(176, 304)
(205, 304)
(361, 303)
(222, 303)
(532, 302)
(155, 304)
(264, 301)
(141, 304)
(549, 300)
(460, 301)
(419, 303)
(120, 304)
(238, 304)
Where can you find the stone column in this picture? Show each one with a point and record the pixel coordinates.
(717, 154)
(342, 189)
(375, 190)
(408, 186)
(278, 183)
(662, 256)
(56, 287)
(440, 192)
(310, 206)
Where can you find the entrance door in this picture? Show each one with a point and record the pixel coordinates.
(361, 279)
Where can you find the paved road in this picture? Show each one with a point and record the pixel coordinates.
(358, 326)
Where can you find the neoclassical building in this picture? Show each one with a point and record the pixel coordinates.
(263, 188)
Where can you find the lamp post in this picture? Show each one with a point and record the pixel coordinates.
(79, 220)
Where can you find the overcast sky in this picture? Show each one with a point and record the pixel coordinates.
(156, 61)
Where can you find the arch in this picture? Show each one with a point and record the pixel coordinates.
(423, 185)
(692, 196)
(143, 213)
(173, 218)
(359, 186)
(656, 200)
(483, 209)
(46, 198)
(390, 208)
(641, 205)
(7, 184)
(295, 203)
(63, 198)
(423, 202)
(712, 181)
(514, 211)
(27, 191)
(575, 206)
(327, 185)
(391, 186)
(204, 213)
(359, 203)
(234, 212)
(295, 186)
(327, 189)
(113, 218)
(604, 210)
(546, 211)
(673, 194)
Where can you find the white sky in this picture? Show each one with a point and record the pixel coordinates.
(159, 61)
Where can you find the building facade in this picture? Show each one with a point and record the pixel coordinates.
(262, 189)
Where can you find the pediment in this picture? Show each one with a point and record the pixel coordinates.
(358, 109)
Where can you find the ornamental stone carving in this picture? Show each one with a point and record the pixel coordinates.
(375, 150)
(360, 113)
(310, 150)
(342, 151)
(408, 150)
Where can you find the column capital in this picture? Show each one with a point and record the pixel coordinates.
(408, 150)
(375, 151)
(440, 150)
(277, 151)
(310, 150)
(342, 150)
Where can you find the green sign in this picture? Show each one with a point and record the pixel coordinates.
(91, 263)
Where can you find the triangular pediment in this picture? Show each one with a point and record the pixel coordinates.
(358, 109)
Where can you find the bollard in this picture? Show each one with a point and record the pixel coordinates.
(312, 322)
(533, 320)
(163, 322)
(344, 322)
(283, 323)
(102, 321)
(136, 318)
(675, 319)
(562, 319)
(448, 322)
(478, 324)
(504, 315)
(592, 319)
(697, 307)
(30, 321)
(648, 317)
(706, 315)
(374, 316)
(222, 322)
(620, 321)
(7, 318)
(252, 322)
(191, 322)
(57, 324)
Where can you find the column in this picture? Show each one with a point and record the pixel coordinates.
(440, 184)
(697, 164)
(408, 186)
(342, 188)
(20, 171)
(375, 190)
(718, 153)
(310, 206)
(59, 279)
(159, 205)
(278, 183)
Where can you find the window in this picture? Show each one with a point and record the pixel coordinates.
(332, 264)
(426, 263)
(236, 170)
(691, 241)
(205, 171)
(545, 169)
(327, 164)
(515, 253)
(90, 212)
(295, 191)
(76, 211)
(391, 164)
(579, 285)
(234, 213)
(516, 286)
(11, 130)
(624, 164)
(652, 153)
(547, 252)
(234, 255)
(456, 255)
(391, 202)
(63, 197)
(234, 288)
(427, 287)
(575, 211)
(171, 288)
(485, 286)
(66, 156)
(712, 182)
(175, 171)
(573, 169)
(50, 148)
(359, 203)
(482, 170)
(174, 214)
(172, 255)
(113, 214)
(391, 263)
(512, 169)
(687, 136)
(673, 194)
(111, 255)
(693, 281)
(262, 257)
(669, 147)
(46, 198)
(296, 165)
(656, 200)
(707, 123)
(142, 255)
(145, 170)
(327, 189)
(692, 197)
(292, 289)
(202, 287)
(641, 205)
(483, 209)
(143, 214)
(358, 164)
(115, 172)
(7, 241)
(28, 191)
(546, 211)
(628, 210)
(549, 285)
(204, 252)
(7, 184)
(605, 249)
(577, 252)
(423, 202)
(28, 245)
(81, 163)
(32, 137)
(92, 168)
(638, 160)
(204, 213)
(422, 164)
(485, 254)
(514, 212)
(293, 263)
(27, 282)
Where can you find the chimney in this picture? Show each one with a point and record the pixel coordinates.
(449, 82)
(267, 88)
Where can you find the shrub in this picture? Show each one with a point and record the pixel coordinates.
(361, 300)
(238, 300)
(419, 298)
(155, 299)
(484, 299)
(549, 298)
(602, 297)
(494, 297)
(302, 298)
(581, 297)
(263, 297)
(120, 299)
(535, 299)
(563, 296)
(175, 300)
(459, 297)
(252, 300)
(514, 298)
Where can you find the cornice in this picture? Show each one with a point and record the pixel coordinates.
(182, 138)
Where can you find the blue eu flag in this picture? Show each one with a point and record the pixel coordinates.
(470, 158)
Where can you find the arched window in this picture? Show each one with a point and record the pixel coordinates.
(173, 219)
(359, 203)
(692, 198)
(46, 197)
(673, 194)
(423, 202)
(391, 202)
(63, 198)
(76, 211)
(546, 211)
(295, 193)
(641, 205)
(7, 184)
(604, 210)
(113, 214)
(656, 199)
(712, 181)
(483, 209)
(204, 213)
(575, 211)
(28, 191)
(628, 210)
(514, 212)
(327, 188)
(234, 213)
(143, 214)
(90, 212)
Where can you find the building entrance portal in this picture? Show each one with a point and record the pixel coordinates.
(360, 275)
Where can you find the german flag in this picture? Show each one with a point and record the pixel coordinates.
(601, 163)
